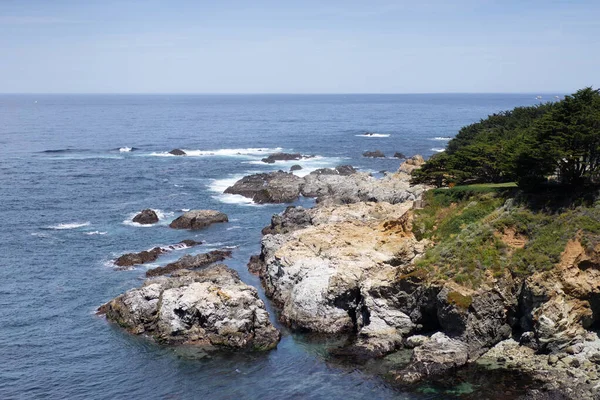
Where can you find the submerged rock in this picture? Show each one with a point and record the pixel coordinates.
(281, 157)
(178, 152)
(190, 262)
(274, 187)
(211, 308)
(146, 217)
(374, 154)
(198, 219)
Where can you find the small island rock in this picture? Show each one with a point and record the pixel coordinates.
(198, 219)
(178, 152)
(374, 154)
(146, 217)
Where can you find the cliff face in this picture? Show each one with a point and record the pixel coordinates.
(359, 268)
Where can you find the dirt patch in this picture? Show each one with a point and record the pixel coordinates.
(512, 239)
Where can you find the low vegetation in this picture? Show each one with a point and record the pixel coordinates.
(483, 231)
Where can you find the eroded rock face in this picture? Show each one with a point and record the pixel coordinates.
(198, 219)
(146, 217)
(323, 264)
(212, 308)
(190, 262)
(274, 187)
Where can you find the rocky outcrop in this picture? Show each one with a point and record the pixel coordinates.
(411, 164)
(274, 187)
(146, 256)
(281, 157)
(339, 185)
(146, 217)
(374, 154)
(178, 152)
(190, 262)
(399, 155)
(198, 219)
(323, 267)
(295, 167)
(211, 308)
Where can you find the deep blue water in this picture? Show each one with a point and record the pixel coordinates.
(66, 190)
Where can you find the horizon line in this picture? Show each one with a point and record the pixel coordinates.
(269, 93)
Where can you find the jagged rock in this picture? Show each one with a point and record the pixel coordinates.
(190, 262)
(211, 308)
(399, 155)
(295, 167)
(343, 170)
(131, 259)
(410, 164)
(178, 152)
(374, 154)
(291, 219)
(274, 187)
(281, 157)
(198, 219)
(146, 217)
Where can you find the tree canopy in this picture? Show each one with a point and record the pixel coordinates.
(530, 145)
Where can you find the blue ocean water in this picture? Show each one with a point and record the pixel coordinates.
(69, 188)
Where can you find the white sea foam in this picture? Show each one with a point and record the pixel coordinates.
(234, 227)
(219, 186)
(162, 219)
(438, 150)
(184, 210)
(247, 152)
(96, 233)
(373, 135)
(308, 164)
(125, 149)
(70, 225)
(441, 138)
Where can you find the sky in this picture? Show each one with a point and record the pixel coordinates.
(288, 46)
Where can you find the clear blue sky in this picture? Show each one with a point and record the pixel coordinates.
(222, 46)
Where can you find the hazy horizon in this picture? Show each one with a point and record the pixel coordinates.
(268, 47)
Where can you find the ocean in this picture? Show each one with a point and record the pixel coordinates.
(74, 169)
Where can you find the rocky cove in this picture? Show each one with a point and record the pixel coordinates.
(349, 268)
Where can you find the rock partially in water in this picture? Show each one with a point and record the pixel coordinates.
(274, 187)
(374, 154)
(399, 155)
(343, 170)
(146, 217)
(281, 157)
(198, 219)
(190, 262)
(211, 308)
(178, 152)
(295, 167)
(146, 256)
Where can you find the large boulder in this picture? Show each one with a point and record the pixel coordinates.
(198, 219)
(410, 164)
(211, 308)
(190, 262)
(274, 187)
(146, 217)
(281, 157)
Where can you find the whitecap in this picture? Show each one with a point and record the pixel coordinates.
(373, 135)
(234, 227)
(70, 225)
(162, 219)
(184, 210)
(308, 164)
(244, 152)
(438, 150)
(125, 149)
(441, 138)
(95, 233)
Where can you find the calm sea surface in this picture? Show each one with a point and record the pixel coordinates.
(68, 188)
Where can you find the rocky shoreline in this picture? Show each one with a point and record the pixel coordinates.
(347, 267)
